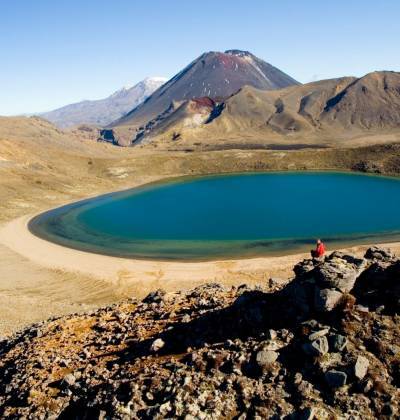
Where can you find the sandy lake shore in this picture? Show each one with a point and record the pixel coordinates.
(39, 280)
(46, 279)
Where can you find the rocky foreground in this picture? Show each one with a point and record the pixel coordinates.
(326, 345)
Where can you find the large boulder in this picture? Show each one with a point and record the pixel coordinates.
(326, 299)
(321, 284)
(335, 277)
(381, 254)
(379, 286)
(339, 271)
(304, 267)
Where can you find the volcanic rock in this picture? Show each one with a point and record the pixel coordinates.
(326, 299)
(266, 357)
(361, 367)
(225, 361)
(215, 75)
(335, 378)
(318, 347)
(157, 345)
(337, 342)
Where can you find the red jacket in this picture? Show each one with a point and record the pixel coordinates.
(320, 251)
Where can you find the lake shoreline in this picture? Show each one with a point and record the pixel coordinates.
(138, 277)
(43, 280)
(46, 225)
(17, 236)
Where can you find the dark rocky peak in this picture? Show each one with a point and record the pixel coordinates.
(216, 75)
(239, 53)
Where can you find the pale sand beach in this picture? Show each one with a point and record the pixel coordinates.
(43, 279)
(39, 280)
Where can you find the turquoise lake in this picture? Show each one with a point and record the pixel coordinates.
(224, 216)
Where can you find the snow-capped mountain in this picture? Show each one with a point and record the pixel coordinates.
(103, 111)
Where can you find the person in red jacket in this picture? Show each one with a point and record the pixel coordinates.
(319, 251)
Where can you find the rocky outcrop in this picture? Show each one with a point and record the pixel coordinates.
(331, 278)
(215, 352)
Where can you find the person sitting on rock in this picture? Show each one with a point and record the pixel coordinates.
(319, 251)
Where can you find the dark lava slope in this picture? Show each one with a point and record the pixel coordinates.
(215, 75)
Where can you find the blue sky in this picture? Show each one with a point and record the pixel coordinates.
(54, 52)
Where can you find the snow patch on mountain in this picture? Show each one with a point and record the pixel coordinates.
(103, 111)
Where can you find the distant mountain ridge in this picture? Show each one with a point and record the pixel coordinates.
(103, 111)
(215, 75)
(327, 112)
